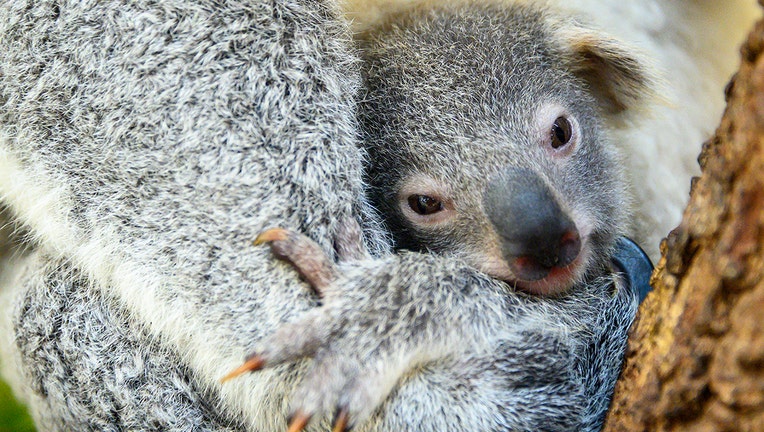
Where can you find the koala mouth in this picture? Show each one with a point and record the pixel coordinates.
(545, 261)
(547, 281)
(535, 277)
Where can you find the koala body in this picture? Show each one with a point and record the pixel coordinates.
(143, 145)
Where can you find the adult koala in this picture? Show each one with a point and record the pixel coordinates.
(143, 144)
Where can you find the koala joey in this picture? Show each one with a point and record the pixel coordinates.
(484, 129)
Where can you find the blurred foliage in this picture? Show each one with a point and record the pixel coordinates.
(13, 415)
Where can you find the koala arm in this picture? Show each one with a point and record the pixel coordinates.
(383, 321)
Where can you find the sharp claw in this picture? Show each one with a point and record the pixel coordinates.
(270, 235)
(253, 364)
(305, 255)
(341, 421)
(298, 422)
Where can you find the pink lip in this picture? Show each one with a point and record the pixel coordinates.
(557, 281)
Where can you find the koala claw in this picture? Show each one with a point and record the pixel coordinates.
(341, 421)
(298, 421)
(303, 253)
(253, 363)
(271, 235)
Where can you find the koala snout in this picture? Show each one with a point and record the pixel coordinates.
(535, 234)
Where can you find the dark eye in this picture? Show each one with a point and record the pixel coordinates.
(561, 132)
(424, 205)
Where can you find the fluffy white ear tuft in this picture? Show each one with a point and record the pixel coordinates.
(618, 76)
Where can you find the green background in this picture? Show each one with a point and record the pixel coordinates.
(13, 416)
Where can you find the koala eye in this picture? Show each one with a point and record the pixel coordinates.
(561, 132)
(424, 205)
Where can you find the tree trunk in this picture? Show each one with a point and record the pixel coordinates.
(696, 356)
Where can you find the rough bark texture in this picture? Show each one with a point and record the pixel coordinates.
(696, 356)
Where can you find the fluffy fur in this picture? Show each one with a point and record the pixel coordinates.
(692, 49)
(143, 144)
(459, 103)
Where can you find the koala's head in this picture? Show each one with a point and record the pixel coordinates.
(484, 131)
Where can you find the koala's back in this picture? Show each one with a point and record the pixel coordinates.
(207, 78)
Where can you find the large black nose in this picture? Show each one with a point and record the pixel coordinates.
(536, 234)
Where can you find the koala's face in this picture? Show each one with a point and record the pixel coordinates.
(485, 142)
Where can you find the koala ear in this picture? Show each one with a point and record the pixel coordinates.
(618, 76)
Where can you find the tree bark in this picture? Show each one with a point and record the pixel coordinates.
(696, 354)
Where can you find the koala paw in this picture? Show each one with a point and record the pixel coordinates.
(334, 381)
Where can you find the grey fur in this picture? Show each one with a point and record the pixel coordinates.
(93, 370)
(173, 132)
(454, 94)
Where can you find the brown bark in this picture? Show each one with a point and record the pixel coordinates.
(696, 356)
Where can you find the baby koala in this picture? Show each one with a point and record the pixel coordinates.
(483, 127)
